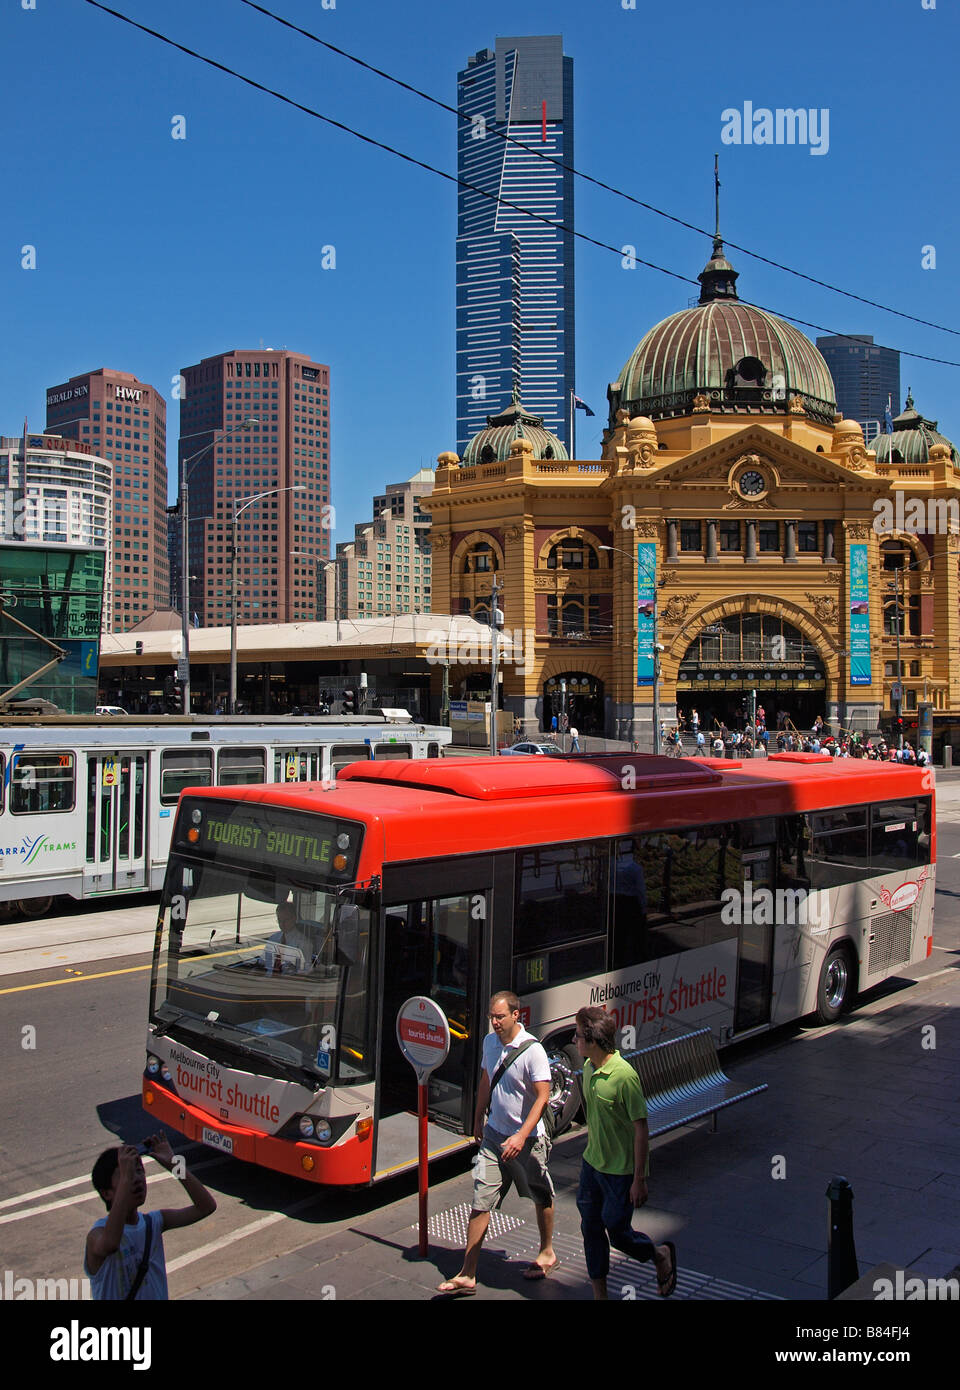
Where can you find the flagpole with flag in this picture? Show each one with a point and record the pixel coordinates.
(576, 404)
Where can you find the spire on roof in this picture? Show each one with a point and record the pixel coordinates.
(718, 279)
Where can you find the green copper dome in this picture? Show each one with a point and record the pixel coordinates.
(493, 444)
(725, 357)
(912, 439)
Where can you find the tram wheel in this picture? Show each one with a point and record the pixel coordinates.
(35, 907)
(836, 989)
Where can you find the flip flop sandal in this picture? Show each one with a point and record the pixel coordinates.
(665, 1290)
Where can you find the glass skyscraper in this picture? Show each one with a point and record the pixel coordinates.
(515, 285)
(865, 376)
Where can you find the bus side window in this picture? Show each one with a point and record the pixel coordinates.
(42, 782)
(895, 829)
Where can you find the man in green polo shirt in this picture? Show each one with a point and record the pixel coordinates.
(613, 1177)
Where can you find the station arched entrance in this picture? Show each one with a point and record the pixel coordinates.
(752, 651)
(579, 696)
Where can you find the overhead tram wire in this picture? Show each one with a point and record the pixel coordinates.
(589, 178)
(463, 183)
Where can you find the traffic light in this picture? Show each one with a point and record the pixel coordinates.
(349, 702)
(138, 647)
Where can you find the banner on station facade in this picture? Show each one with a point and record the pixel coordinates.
(859, 616)
(646, 608)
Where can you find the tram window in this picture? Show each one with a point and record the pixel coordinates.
(895, 835)
(184, 767)
(42, 782)
(433, 751)
(342, 754)
(238, 766)
(3, 780)
(392, 750)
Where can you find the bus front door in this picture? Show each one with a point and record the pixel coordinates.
(116, 823)
(430, 947)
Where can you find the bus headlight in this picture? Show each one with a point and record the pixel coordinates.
(165, 1073)
(153, 1065)
(196, 815)
(306, 1126)
(322, 1131)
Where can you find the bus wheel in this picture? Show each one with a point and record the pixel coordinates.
(837, 987)
(35, 907)
(565, 1098)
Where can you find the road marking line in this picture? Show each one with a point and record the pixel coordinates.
(43, 1191)
(215, 1245)
(76, 979)
(211, 1162)
(90, 1196)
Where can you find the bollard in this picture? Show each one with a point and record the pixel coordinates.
(842, 1268)
(948, 755)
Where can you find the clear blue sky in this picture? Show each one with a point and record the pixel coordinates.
(152, 252)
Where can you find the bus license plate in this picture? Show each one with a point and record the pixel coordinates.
(218, 1141)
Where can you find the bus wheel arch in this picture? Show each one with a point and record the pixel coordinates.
(566, 1099)
(837, 985)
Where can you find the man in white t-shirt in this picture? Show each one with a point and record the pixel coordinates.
(513, 1142)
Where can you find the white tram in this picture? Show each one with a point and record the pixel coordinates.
(87, 804)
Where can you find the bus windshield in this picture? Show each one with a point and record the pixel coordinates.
(260, 965)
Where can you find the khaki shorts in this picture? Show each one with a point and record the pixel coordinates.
(494, 1175)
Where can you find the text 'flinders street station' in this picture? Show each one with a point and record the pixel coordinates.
(734, 535)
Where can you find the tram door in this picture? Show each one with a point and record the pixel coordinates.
(116, 822)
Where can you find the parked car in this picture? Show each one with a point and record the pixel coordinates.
(546, 749)
(110, 709)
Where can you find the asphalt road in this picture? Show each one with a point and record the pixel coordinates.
(72, 1036)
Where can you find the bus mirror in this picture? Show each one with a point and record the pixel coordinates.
(348, 932)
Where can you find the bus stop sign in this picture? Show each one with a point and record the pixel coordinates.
(423, 1034)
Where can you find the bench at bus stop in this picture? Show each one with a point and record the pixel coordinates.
(683, 1082)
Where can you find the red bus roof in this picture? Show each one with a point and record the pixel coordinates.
(430, 808)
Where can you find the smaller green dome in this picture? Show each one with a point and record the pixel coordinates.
(493, 444)
(912, 439)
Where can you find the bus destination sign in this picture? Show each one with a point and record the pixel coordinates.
(291, 841)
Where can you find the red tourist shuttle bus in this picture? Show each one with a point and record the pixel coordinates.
(297, 919)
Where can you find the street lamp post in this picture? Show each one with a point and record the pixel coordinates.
(656, 644)
(186, 468)
(246, 502)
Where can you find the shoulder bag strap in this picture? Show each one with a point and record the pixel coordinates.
(144, 1261)
(509, 1061)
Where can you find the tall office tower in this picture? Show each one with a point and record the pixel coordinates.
(124, 421)
(865, 376)
(284, 535)
(515, 286)
(386, 567)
